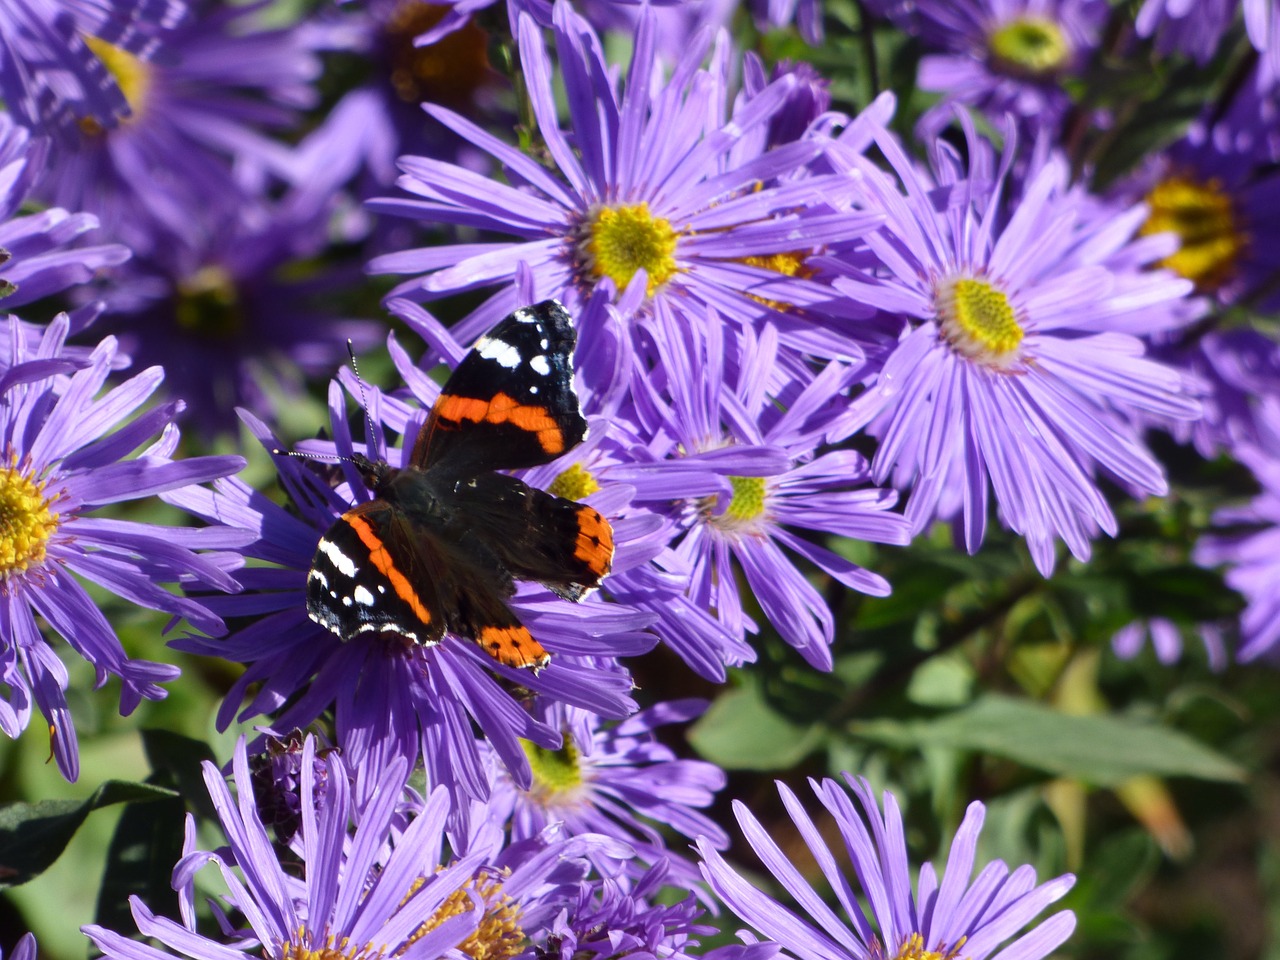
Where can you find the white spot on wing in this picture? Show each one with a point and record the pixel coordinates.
(341, 562)
(499, 351)
(362, 596)
(540, 365)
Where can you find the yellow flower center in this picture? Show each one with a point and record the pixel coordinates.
(299, 949)
(26, 522)
(618, 241)
(132, 76)
(574, 483)
(746, 505)
(913, 948)
(1203, 216)
(1030, 47)
(448, 71)
(976, 318)
(208, 305)
(499, 936)
(557, 774)
(792, 264)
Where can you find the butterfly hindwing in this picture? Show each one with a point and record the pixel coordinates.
(565, 545)
(510, 403)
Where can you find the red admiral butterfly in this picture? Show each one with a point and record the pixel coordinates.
(439, 547)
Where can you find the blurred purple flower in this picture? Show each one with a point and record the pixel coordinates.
(66, 452)
(1166, 641)
(1001, 56)
(1249, 547)
(241, 316)
(1020, 361)
(37, 258)
(957, 916)
(196, 140)
(55, 56)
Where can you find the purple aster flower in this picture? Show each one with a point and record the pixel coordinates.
(36, 256)
(649, 190)
(1001, 56)
(617, 780)
(734, 401)
(1249, 548)
(1191, 28)
(1020, 363)
(1222, 200)
(65, 453)
(956, 916)
(1239, 376)
(232, 312)
(392, 698)
(54, 56)
(200, 108)
(383, 887)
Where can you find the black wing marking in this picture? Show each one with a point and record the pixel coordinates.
(369, 576)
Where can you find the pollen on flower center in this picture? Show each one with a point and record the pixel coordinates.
(913, 948)
(574, 483)
(26, 522)
(792, 264)
(1203, 216)
(976, 318)
(448, 71)
(1031, 47)
(618, 241)
(556, 773)
(209, 304)
(299, 949)
(132, 76)
(746, 505)
(499, 935)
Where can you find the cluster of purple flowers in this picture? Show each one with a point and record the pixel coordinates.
(797, 329)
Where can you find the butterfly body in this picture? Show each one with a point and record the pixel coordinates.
(439, 547)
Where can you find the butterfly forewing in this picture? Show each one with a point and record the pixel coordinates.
(510, 403)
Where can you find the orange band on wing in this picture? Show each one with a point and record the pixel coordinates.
(513, 646)
(504, 409)
(595, 541)
(386, 566)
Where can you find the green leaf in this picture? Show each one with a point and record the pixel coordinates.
(178, 759)
(32, 835)
(1103, 750)
(741, 731)
(146, 845)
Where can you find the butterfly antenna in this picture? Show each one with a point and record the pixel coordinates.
(364, 397)
(303, 455)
